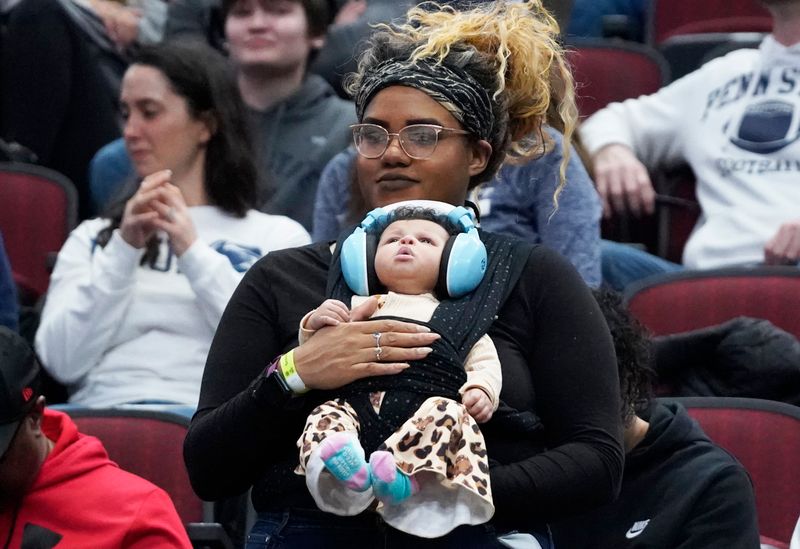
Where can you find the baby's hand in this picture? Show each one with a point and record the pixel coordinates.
(478, 404)
(330, 313)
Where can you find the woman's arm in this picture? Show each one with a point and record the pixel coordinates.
(211, 272)
(237, 429)
(558, 362)
(574, 228)
(519, 202)
(240, 429)
(214, 278)
(90, 290)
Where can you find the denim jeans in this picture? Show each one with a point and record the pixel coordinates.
(623, 264)
(311, 529)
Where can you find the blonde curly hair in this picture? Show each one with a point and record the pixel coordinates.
(512, 49)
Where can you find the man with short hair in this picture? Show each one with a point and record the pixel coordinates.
(679, 489)
(299, 120)
(57, 486)
(735, 122)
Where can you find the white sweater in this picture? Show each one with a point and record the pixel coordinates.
(740, 136)
(116, 332)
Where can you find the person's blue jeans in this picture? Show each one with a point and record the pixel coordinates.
(311, 529)
(623, 264)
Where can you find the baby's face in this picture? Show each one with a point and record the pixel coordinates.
(408, 256)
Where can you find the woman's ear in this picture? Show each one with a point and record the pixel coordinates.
(480, 152)
(209, 120)
(36, 414)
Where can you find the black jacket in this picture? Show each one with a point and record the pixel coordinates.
(743, 357)
(679, 491)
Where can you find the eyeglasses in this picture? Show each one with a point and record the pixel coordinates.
(417, 140)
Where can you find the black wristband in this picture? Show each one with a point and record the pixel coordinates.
(270, 389)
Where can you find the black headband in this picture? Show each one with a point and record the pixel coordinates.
(455, 89)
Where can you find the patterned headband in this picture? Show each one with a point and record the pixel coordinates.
(454, 89)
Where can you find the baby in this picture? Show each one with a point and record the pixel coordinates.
(431, 474)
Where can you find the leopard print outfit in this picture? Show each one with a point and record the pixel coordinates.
(440, 443)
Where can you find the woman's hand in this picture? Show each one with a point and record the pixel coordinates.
(338, 355)
(173, 218)
(138, 219)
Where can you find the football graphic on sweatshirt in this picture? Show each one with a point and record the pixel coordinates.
(767, 127)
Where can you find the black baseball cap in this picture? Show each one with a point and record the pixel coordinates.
(20, 383)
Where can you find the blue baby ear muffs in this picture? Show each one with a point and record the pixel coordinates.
(463, 261)
(358, 253)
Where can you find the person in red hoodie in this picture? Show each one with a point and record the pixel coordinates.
(57, 486)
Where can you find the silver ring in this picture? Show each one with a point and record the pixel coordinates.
(171, 215)
(378, 352)
(377, 336)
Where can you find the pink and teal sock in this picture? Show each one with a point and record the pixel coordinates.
(344, 458)
(389, 483)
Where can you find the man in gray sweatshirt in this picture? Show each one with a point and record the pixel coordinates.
(299, 123)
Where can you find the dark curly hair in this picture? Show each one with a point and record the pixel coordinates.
(632, 346)
(404, 213)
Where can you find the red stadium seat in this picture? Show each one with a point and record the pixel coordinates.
(742, 24)
(688, 300)
(672, 17)
(765, 437)
(149, 443)
(38, 209)
(607, 71)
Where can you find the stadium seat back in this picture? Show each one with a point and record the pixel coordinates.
(688, 300)
(765, 437)
(606, 71)
(673, 17)
(38, 209)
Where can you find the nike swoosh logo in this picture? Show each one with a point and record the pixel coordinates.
(636, 529)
